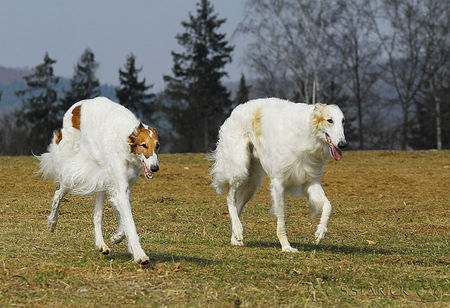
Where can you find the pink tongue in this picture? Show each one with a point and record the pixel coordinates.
(148, 173)
(337, 153)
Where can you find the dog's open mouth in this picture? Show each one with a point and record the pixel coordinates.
(336, 152)
(147, 172)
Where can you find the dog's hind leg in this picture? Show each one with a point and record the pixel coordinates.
(237, 237)
(98, 223)
(318, 202)
(237, 167)
(52, 219)
(247, 190)
(237, 199)
(278, 208)
(119, 236)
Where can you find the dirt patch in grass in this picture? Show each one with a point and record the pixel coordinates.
(388, 240)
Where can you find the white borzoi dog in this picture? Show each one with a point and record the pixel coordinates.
(290, 143)
(101, 148)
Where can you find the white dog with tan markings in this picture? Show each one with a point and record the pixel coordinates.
(289, 142)
(101, 149)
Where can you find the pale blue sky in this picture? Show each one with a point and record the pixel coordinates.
(112, 29)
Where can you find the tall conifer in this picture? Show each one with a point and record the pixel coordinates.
(40, 113)
(200, 102)
(84, 83)
(133, 93)
(242, 94)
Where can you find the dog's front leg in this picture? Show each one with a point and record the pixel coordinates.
(122, 203)
(318, 202)
(278, 208)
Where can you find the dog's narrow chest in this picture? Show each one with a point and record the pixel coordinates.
(301, 174)
(305, 169)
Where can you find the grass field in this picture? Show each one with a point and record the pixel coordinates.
(388, 240)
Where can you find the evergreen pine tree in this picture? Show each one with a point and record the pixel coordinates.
(133, 93)
(84, 83)
(242, 93)
(40, 112)
(200, 102)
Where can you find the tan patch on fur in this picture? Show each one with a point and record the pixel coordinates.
(256, 124)
(320, 116)
(76, 117)
(144, 141)
(59, 136)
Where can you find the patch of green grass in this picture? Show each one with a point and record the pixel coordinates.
(388, 240)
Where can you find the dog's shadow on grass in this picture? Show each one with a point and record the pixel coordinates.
(163, 257)
(343, 249)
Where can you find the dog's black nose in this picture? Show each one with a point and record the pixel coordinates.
(154, 168)
(342, 144)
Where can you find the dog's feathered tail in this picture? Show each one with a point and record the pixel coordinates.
(232, 157)
(49, 161)
(67, 166)
(219, 180)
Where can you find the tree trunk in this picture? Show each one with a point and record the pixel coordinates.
(314, 92)
(358, 93)
(438, 124)
(361, 137)
(437, 102)
(404, 142)
(205, 135)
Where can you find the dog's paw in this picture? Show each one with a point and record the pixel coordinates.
(236, 242)
(320, 233)
(117, 238)
(51, 225)
(104, 249)
(289, 249)
(142, 260)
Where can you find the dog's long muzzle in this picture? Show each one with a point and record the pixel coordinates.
(149, 172)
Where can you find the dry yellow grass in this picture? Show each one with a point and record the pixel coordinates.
(388, 240)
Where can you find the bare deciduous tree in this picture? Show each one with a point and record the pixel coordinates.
(290, 43)
(436, 29)
(359, 53)
(408, 49)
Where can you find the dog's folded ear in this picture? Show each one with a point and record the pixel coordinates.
(132, 137)
(319, 107)
(57, 135)
(318, 118)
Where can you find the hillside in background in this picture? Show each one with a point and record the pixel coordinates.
(8, 75)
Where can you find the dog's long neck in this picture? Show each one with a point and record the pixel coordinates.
(319, 152)
(308, 165)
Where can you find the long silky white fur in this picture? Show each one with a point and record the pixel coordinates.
(302, 157)
(80, 161)
(287, 145)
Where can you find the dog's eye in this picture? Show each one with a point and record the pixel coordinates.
(144, 145)
(343, 121)
(330, 121)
